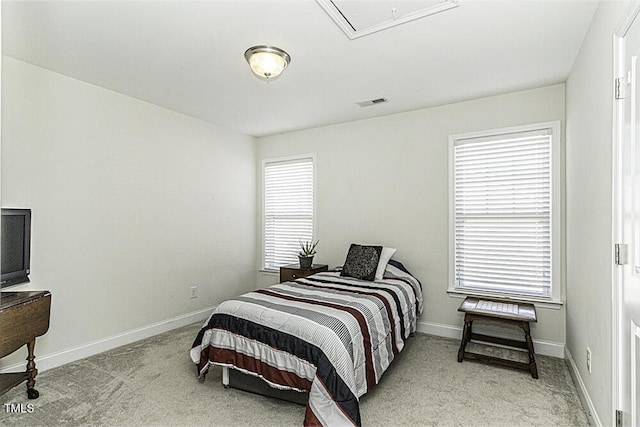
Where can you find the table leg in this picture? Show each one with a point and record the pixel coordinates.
(32, 393)
(466, 336)
(533, 367)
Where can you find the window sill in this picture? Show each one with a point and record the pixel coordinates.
(274, 272)
(538, 302)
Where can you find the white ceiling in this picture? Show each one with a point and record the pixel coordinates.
(187, 56)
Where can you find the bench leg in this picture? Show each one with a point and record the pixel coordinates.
(466, 336)
(533, 368)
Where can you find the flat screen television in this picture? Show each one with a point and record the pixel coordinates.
(15, 251)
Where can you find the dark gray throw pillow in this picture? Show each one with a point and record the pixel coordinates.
(362, 262)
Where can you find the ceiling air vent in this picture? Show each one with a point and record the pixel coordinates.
(372, 102)
(359, 18)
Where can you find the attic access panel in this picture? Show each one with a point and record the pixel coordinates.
(358, 18)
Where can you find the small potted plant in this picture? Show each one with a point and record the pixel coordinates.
(307, 251)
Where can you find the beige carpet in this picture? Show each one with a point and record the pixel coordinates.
(153, 383)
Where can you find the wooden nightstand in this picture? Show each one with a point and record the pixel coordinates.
(293, 271)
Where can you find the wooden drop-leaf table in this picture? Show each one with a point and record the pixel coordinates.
(24, 315)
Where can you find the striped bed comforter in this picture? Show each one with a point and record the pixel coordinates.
(330, 335)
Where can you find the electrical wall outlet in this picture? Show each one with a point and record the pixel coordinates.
(589, 359)
(194, 292)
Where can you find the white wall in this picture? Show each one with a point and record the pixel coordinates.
(132, 204)
(384, 181)
(589, 208)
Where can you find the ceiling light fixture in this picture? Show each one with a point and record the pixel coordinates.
(267, 62)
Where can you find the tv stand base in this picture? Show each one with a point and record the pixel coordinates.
(23, 317)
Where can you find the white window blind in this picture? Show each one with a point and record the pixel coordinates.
(502, 213)
(288, 210)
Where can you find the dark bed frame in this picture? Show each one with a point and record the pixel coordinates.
(239, 380)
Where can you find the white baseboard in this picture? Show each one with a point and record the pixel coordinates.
(440, 330)
(60, 358)
(63, 357)
(587, 403)
(545, 348)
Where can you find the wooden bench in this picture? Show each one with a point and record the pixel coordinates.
(505, 312)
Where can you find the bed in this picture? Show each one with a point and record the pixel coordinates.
(332, 334)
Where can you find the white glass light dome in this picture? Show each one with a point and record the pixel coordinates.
(267, 62)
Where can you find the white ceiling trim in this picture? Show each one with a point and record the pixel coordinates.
(339, 16)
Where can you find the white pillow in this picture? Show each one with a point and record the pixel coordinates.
(385, 256)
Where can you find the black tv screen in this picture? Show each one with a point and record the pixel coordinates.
(15, 234)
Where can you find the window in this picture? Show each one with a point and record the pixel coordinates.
(288, 209)
(504, 214)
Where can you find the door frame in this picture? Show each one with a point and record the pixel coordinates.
(619, 71)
